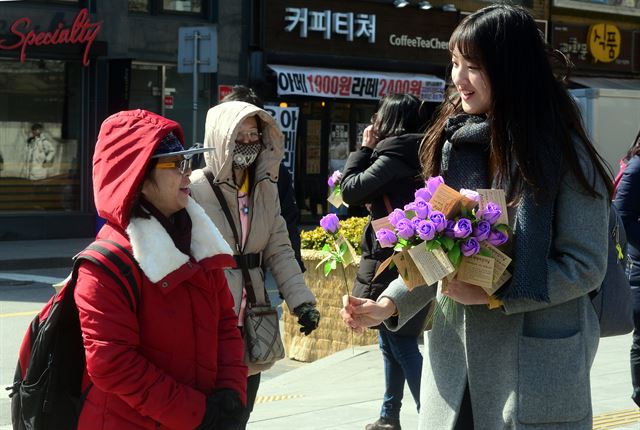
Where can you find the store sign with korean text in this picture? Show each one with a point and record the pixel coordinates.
(328, 23)
(358, 29)
(24, 35)
(598, 47)
(353, 84)
(287, 119)
(604, 42)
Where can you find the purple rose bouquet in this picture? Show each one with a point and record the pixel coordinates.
(461, 233)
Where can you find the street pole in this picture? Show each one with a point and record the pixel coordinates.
(196, 36)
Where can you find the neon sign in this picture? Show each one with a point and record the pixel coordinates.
(81, 31)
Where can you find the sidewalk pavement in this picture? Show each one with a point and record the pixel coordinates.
(344, 391)
(38, 254)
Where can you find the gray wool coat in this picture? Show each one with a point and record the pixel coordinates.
(527, 364)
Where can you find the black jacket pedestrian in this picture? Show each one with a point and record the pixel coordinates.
(627, 202)
(392, 168)
(289, 210)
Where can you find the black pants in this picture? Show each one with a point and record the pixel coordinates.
(253, 382)
(635, 346)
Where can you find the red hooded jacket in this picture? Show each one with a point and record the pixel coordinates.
(154, 367)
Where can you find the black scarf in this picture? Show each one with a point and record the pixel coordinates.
(465, 164)
(177, 225)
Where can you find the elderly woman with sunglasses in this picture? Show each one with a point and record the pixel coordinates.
(175, 360)
(240, 179)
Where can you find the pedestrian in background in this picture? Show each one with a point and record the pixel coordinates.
(288, 206)
(39, 154)
(627, 202)
(384, 174)
(520, 360)
(247, 149)
(177, 361)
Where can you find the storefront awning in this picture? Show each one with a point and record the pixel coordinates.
(355, 84)
(608, 83)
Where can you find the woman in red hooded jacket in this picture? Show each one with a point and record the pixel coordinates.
(177, 361)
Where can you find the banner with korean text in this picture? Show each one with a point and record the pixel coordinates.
(287, 119)
(355, 84)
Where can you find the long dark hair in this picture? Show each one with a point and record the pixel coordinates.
(635, 148)
(534, 120)
(398, 114)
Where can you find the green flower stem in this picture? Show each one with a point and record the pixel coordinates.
(346, 287)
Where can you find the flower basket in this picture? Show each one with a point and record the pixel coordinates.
(332, 335)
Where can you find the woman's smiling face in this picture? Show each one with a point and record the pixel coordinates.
(471, 82)
(167, 189)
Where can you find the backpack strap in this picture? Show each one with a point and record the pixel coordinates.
(118, 263)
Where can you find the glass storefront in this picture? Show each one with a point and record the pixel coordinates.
(188, 6)
(39, 135)
(329, 131)
(161, 89)
(194, 6)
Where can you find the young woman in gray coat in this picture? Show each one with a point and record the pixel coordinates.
(520, 360)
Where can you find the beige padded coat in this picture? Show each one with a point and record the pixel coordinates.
(267, 229)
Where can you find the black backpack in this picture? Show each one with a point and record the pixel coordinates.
(613, 301)
(47, 390)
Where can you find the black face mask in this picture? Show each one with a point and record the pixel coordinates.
(244, 155)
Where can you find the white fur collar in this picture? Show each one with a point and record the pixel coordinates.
(155, 251)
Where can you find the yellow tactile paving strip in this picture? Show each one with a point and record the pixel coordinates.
(267, 399)
(618, 419)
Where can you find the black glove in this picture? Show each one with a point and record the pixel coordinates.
(308, 317)
(222, 408)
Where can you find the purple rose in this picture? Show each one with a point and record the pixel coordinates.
(386, 238)
(423, 194)
(438, 220)
(410, 206)
(433, 183)
(426, 230)
(330, 223)
(463, 228)
(490, 213)
(414, 222)
(422, 208)
(334, 178)
(448, 230)
(470, 194)
(405, 229)
(470, 247)
(482, 230)
(396, 216)
(497, 238)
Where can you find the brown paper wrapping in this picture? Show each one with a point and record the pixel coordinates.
(408, 270)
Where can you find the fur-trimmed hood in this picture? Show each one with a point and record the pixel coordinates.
(220, 131)
(155, 251)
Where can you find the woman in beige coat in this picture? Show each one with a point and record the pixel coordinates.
(248, 147)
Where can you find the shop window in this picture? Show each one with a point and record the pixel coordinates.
(161, 89)
(138, 5)
(193, 6)
(39, 131)
(173, 6)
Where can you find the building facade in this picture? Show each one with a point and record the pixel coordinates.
(320, 65)
(64, 67)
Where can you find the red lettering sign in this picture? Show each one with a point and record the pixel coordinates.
(81, 31)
